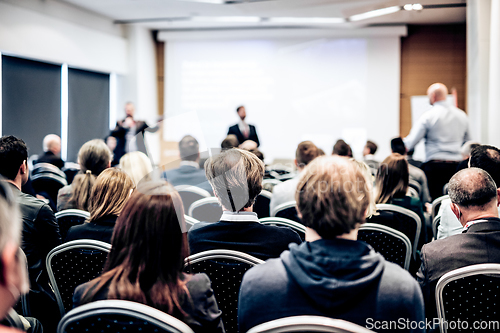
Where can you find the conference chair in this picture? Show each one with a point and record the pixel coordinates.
(415, 185)
(47, 180)
(206, 210)
(308, 324)
(112, 316)
(435, 225)
(225, 268)
(470, 294)
(413, 193)
(287, 210)
(71, 169)
(261, 205)
(282, 222)
(269, 184)
(393, 245)
(190, 194)
(190, 221)
(73, 263)
(436, 204)
(400, 219)
(70, 217)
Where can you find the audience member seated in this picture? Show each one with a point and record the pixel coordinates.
(111, 191)
(231, 141)
(466, 150)
(331, 274)
(341, 148)
(137, 165)
(257, 153)
(369, 156)
(474, 201)
(40, 229)
(52, 149)
(13, 276)
(285, 192)
(236, 177)
(94, 157)
(189, 172)
(483, 157)
(391, 186)
(147, 258)
(416, 174)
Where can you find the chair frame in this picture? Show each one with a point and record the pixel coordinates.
(283, 206)
(190, 220)
(435, 222)
(399, 209)
(72, 212)
(437, 202)
(395, 233)
(58, 179)
(201, 202)
(266, 194)
(76, 244)
(120, 307)
(308, 324)
(222, 254)
(50, 168)
(283, 222)
(271, 181)
(193, 189)
(456, 274)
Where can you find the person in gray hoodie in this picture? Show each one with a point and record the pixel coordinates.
(332, 274)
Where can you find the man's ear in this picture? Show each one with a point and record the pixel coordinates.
(24, 167)
(498, 197)
(455, 210)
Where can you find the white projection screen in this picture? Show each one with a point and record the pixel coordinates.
(318, 89)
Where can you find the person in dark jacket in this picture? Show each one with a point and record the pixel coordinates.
(146, 260)
(110, 192)
(242, 130)
(52, 150)
(331, 274)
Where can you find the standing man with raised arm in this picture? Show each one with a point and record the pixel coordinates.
(445, 129)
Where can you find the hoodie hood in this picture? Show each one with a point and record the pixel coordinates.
(333, 272)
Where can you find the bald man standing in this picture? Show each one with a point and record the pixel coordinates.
(445, 129)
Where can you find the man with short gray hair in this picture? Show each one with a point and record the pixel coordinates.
(474, 201)
(52, 151)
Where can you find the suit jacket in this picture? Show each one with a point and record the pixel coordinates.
(188, 175)
(235, 129)
(49, 157)
(120, 133)
(100, 229)
(479, 245)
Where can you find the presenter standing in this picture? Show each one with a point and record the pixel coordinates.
(242, 130)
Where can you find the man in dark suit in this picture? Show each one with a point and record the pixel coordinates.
(52, 149)
(474, 201)
(236, 177)
(189, 172)
(242, 130)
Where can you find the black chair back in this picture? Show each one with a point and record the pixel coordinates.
(225, 268)
(287, 210)
(281, 222)
(68, 218)
(74, 263)
(262, 202)
(206, 210)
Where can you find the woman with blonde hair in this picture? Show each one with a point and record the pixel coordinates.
(137, 165)
(110, 193)
(94, 157)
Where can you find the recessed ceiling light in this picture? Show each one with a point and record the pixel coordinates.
(307, 20)
(408, 6)
(375, 13)
(417, 6)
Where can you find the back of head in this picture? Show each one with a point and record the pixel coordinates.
(148, 250)
(258, 153)
(398, 146)
(392, 178)
(372, 146)
(13, 152)
(437, 92)
(236, 178)
(305, 153)
(137, 165)
(94, 157)
(468, 147)
(110, 193)
(332, 196)
(341, 148)
(52, 143)
(231, 141)
(487, 158)
(189, 148)
(472, 188)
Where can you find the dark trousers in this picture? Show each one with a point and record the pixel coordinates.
(438, 173)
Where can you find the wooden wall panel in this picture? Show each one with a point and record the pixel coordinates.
(429, 54)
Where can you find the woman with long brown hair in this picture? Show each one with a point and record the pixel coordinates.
(149, 245)
(110, 192)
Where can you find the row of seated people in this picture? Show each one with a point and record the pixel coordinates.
(250, 169)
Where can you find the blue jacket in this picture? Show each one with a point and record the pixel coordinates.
(188, 175)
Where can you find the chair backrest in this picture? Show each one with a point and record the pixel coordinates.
(71, 169)
(435, 225)
(436, 204)
(47, 168)
(225, 269)
(49, 179)
(269, 184)
(206, 210)
(393, 245)
(262, 202)
(401, 219)
(413, 192)
(470, 295)
(70, 217)
(287, 210)
(190, 194)
(415, 185)
(308, 324)
(112, 316)
(190, 221)
(73, 263)
(281, 222)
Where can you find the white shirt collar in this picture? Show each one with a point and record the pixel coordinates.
(190, 163)
(239, 216)
(369, 157)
